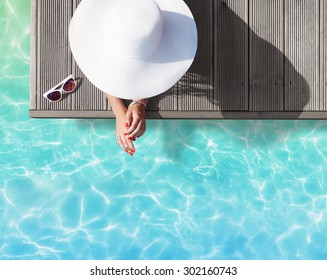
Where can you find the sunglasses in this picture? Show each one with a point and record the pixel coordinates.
(68, 85)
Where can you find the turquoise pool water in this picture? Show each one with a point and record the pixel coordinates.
(193, 190)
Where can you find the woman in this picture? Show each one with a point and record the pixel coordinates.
(133, 49)
(130, 122)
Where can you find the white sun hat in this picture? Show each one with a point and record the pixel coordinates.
(133, 49)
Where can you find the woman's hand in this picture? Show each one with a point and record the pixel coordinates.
(121, 136)
(130, 123)
(120, 110)
(135, 121)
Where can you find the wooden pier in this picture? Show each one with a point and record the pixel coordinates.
(256, 59)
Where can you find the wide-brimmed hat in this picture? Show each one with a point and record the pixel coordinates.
(133, 49)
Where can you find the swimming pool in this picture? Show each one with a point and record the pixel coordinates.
(193, 190)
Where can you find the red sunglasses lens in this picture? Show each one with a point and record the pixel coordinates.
(70, 85)
(54, 96)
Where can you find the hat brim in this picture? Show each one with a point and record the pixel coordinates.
(132, 78)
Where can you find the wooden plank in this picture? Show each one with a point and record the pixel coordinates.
(231, 55)
(195, 89)
(87, 96)
(33, 55)
(323, 55)
(166, 101)
(231, 115)
(301, 49)
(266, 57)
(54, 53)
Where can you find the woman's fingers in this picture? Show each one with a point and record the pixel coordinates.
(129, 118)
(126, 144)
(137, 128)
(131, 148)
(138, 131)
(142, 130)
(120, 142)
(133, 125)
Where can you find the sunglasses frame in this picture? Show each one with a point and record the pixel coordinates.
(61, 89)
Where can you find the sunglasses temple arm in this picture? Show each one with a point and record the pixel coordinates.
(62, 82)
